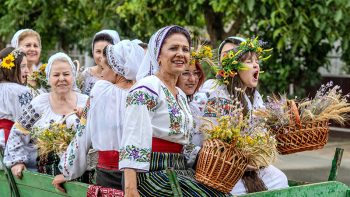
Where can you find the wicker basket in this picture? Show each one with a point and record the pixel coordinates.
(220, 165)
(301, 136)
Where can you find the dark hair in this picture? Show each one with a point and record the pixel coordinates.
(101, 37)
(236, 82)
(143, 45)
(177, 30)
(13, 74)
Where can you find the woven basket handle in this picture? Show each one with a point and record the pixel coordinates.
(66, 116)
(294, 113)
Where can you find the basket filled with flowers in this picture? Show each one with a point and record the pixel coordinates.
(306, 126)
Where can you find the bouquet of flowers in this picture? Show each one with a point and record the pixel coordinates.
(54, 139)
(39, 77)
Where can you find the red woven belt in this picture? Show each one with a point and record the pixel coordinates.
(163, 146)
(108, 160)
(6, 125)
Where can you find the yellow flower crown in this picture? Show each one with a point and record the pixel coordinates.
(203, 52)
(8, 62)
(231, 64)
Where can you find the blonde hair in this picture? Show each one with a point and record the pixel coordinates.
(27, 33)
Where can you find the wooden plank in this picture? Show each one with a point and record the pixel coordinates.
(36, 184)
(338, 155)
(324, 189)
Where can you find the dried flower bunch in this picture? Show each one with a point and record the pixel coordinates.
(39, 76)
(246, 134)
(228, 121)
(201, 53)
(328, 104)
(55, 138)
(258, 143)
(276, 113)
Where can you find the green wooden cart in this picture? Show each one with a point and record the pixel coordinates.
(39, 185)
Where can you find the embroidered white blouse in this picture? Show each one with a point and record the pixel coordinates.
(13, 99)
(103, 128)
(152, 111)
(88, 81)
(21, 148)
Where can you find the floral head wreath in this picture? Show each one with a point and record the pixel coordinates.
(8, 62)
(201, 53)
(231, 64)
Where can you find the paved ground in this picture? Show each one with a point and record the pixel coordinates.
(314, 166)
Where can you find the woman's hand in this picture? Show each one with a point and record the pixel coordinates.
(130, 183)
(251, 168)
(17, 170)
(57, 182)
(79, 111)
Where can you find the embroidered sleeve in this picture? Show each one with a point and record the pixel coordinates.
(136, 142)
(73, 162)
(142, 96)
(15, 152)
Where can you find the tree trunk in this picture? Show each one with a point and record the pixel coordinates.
(214, 24)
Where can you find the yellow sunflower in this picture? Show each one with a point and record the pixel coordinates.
(8, 62)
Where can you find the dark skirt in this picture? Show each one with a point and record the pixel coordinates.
(49, 165)
(156, 182)
(109, 178)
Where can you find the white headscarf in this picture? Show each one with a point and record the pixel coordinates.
(228, 40)
(58, 56)
(149, 65)
(124, 58)
(15, 38)
(112, 33)
(137, 41)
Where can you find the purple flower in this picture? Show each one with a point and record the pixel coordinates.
(174, 111)
(135, 154)
(140, 98)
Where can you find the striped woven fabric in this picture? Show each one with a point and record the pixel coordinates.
(156, 182)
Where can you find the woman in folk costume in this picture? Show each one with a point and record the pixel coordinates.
(91, 74)
(14, 95)
(103, 118)
(45, 109)
(30, 42)
(158, 121)
(189, 82)
(240, 81)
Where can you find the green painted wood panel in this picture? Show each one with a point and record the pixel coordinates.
(39, 185)
(324, 189)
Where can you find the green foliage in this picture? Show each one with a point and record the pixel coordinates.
(302, 33)
(60, 23)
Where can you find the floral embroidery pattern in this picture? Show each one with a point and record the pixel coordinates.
(131, 152)
(217, 105)
(114, 62)
(139, 97)
(174, 112)
(25, 98)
